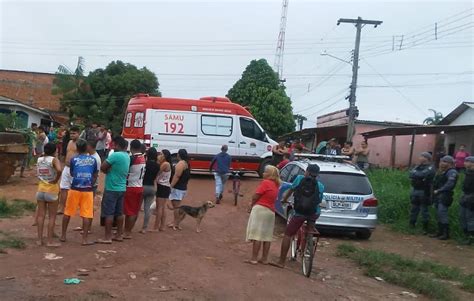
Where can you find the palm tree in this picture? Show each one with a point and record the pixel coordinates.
(69, 83)
(299, 120)
(437, 117)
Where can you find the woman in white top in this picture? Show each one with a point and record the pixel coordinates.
(163, 188)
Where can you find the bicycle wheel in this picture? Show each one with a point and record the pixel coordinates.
(294, 239)
(308, 255)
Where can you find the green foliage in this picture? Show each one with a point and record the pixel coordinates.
(103, 95)
(421, 275)
(8, 121)
(392, 189)
(15, 207)
(437, 117)
(9, 241)
(259, 88)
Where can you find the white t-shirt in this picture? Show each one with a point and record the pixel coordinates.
(99, 163)
(137, 170)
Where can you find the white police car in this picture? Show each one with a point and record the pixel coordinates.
(348, 203)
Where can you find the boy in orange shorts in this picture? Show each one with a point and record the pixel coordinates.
(84, 171)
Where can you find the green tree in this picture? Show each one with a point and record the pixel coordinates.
(260, 89)
(113, 86)
(103, 95)
(437, 117)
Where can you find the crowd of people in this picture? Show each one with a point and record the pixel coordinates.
(436, 187)
(131, 179)
(60, 136)
(146, 177)
(284, 152)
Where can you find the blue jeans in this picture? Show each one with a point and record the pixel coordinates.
(221, 179)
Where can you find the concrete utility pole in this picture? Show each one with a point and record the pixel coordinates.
(353, 112)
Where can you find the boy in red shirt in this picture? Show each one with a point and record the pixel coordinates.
(134, 193)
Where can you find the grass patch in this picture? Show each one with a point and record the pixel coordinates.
(392, 188)
(15, 207)
(7, 241)
(423, 276)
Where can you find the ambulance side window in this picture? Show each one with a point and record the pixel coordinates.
(128, 119)
(250, 129)
(216, 125)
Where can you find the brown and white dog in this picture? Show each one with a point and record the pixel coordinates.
(197, 212)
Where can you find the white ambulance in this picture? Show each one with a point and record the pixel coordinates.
(201, 126)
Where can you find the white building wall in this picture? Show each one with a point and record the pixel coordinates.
(466, 118)
(458, 138)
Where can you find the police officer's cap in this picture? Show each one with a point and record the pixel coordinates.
(447, 159)
(426, 155)
(469, 159)
(313, 170)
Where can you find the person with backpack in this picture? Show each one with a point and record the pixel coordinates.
(308, 194)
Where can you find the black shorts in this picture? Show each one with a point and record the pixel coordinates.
(163, 192)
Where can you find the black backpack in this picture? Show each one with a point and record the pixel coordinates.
(307, 196)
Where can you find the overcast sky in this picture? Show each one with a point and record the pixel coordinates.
(200, 48)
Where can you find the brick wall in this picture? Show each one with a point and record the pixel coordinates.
(32, 88)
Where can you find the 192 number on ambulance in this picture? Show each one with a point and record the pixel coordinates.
(174, 128)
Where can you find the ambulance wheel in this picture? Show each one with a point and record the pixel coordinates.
(263, 165)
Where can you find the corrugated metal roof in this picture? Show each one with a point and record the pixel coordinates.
(6, 100)
(417, 130)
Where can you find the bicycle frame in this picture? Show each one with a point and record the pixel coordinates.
(236, 176)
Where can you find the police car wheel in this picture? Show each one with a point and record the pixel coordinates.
(263, 165)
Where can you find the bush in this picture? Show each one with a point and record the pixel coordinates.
(392, 189)
(15, 207)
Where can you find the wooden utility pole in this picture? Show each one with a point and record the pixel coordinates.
(353, 112)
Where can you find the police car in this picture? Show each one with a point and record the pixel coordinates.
(348, 204)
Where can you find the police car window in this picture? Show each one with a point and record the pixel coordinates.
(285, 171)
(250, 129)
(295, 172)
(128, 119)
(345, 183)
(216, 125)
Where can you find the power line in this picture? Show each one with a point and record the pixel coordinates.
(324, 101)
(394, 88)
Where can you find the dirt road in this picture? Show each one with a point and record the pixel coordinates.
(186, 265)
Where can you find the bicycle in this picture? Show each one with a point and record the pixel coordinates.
(304, 244)
(236, 176)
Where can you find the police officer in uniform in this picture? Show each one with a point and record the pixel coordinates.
(443, 188)
(466, 213)
(421, 177)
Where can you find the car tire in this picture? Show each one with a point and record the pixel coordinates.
(363, 234)
(263, 165)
